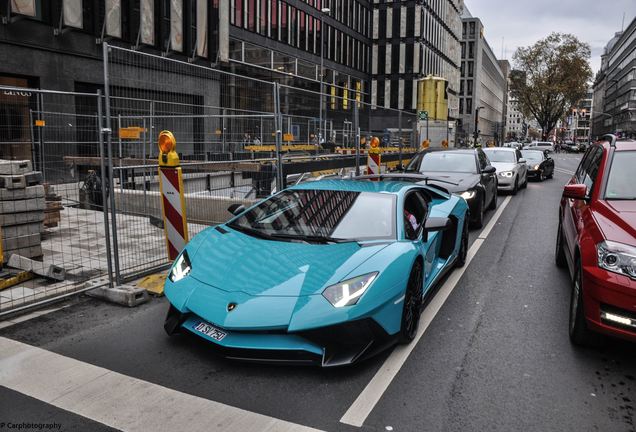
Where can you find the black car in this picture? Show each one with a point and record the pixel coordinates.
(465, 172)
(540, 165)
(571, 147)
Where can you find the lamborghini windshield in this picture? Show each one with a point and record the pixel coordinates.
(321, 216)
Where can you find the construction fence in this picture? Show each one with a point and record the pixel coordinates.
(87, 205)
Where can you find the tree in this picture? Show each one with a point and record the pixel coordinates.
(550, 77)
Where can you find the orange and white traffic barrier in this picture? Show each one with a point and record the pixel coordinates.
(375, 158)
(172, 199)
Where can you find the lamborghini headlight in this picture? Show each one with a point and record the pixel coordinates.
(617, 257)
(468, 194)
(181, 267)
(348, 292)
(506, 174)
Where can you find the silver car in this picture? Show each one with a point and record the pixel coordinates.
(540, 145)
(512, 171)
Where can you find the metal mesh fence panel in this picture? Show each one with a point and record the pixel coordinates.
(50, 211)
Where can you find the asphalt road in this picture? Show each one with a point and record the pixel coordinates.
(495, 357)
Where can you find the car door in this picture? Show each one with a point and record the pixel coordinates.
(488, 181)
(573, 213)
(415, 205)
(523, 167)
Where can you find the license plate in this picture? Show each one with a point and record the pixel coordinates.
(210, 330)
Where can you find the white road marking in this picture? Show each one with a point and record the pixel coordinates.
(564, 171)
(119, 401)
(370, 396)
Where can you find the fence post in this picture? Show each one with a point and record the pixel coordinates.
(278, 121)
(356, 125)
(100, 132)
(400, 137)
(111, 181)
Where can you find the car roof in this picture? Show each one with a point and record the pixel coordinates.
(352, 185)
(508, 149)
(626, 145)
(454, 150)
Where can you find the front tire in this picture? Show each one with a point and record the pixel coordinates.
(463, 249)
(412, 305)
(580, 334)
(493, 201)
(478, 221)
(559, 254)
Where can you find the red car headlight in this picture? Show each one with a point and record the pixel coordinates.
(617, 257)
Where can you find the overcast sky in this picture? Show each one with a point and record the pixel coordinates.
(523, 22)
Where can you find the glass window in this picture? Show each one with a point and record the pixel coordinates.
(29, 8)
(321, 214)
(176, 25)
(620, 181)
(442, 161)
(591, 170)
(72, 12)
(500, 155)
(113, 18)
(483, 159)
(202, 28)
(147, 22)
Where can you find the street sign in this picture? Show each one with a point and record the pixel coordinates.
(423, 115)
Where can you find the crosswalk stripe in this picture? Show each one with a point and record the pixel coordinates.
(117, 400)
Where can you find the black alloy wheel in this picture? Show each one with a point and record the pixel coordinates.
(580, 334)
(559, 254)
(412, 305)
(463, 248)
(478, 220)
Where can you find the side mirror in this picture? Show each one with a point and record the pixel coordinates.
(437, 224)
(236, 209)
(575, 191)
(522, 161)
(489, 170)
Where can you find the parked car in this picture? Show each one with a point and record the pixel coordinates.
(328, 272)
(540, 145)
(513, 144)
(571, 147)
(540, 165)
(596, 241)
(466, 172)
(512, 171)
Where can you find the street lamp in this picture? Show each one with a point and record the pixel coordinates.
(476, 133)
(323, 11)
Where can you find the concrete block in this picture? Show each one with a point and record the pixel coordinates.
(22, 230)
(20, 242)
(48, 271)
(20, 181)
(12, 167)
(124, 295)
(19, 194)
(21, 218)
(29, 252)
(21, 206)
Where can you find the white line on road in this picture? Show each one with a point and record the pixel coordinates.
(564, 171)
(370, 396)
(119, 401)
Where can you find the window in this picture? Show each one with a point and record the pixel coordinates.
(28, 8)
(176, 25)
(113, 18)
(620, 183)
(72, 12)
(591, 169)
(147, 22)
(202, 28)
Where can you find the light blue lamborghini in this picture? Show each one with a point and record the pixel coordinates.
(327, 272)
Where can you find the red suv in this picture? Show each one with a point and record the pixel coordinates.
(596, 240)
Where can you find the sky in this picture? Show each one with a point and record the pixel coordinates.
(523, 22)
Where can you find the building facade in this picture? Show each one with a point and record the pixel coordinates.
(580, 119)
(410, 41)
(516, 122)
(483, 87)
(614, 97)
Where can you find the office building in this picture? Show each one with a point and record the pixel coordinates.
(614, 98)
(483, 86)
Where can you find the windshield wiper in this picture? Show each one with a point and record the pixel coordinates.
(251, 231)
(312, 238)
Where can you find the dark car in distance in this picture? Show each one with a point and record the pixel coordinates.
(540, 165)
(464, 172)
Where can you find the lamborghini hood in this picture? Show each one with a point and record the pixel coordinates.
(237, 262)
